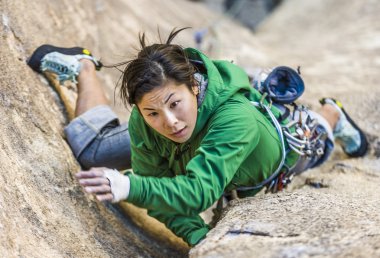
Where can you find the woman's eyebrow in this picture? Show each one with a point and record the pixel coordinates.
(166, 101)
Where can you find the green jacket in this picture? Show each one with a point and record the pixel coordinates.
(233, 144)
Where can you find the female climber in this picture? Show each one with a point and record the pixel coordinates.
(198, 131)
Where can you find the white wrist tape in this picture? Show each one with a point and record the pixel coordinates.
(120, 184)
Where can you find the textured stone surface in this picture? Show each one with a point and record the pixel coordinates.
(339, 220)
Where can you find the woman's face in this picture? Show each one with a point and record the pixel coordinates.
(171, 110)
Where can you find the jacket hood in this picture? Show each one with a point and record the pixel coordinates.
(224, 80)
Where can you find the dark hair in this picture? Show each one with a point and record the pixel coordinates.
(153, 67)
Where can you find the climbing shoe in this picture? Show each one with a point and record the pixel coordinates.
(64, 62)
(346, 132)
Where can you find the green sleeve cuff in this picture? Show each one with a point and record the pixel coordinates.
(196, 236)
(135, 188)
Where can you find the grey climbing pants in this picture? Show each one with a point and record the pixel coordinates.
(97, 139)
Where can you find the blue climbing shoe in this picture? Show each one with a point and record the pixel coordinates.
(64, 62)
(346, 132)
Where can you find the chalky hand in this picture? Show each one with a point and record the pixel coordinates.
(106, 184)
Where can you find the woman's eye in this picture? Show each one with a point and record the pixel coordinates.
(174, 104)
(153, 114)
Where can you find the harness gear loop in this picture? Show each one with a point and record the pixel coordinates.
(305, 140)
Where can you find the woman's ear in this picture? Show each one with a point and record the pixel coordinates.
(195, 89)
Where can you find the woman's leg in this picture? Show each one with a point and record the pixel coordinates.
(90, 92)
(95, 136)
(101, 140)
(346, 132)
(331, 115)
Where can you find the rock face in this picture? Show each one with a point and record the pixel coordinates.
(44, 213)
(340, 219)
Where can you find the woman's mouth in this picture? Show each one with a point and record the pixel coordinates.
(180, 133)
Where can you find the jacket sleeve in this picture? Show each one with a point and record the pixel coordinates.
(227, 143)
(191, 229)
(154, 165)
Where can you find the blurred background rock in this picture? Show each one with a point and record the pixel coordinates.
(248, 12)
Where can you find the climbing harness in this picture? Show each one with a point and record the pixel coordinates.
(282, 86)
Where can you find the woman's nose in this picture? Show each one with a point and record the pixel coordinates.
(170, 119)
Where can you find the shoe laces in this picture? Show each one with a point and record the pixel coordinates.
(66, 67)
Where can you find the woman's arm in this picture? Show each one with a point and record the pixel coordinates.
(228, 142)
(191, 229)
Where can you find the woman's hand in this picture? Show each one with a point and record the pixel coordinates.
(94, 182)
(106, 184)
